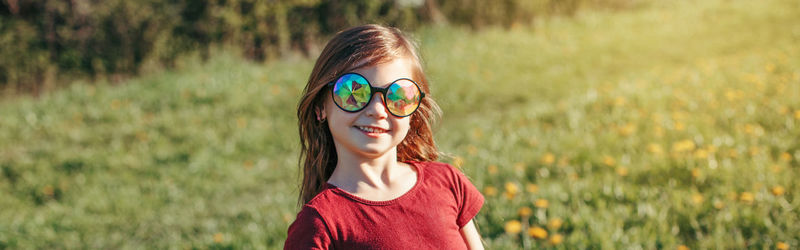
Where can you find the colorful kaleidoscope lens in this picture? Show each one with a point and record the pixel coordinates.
(403, 97)
(351, 92)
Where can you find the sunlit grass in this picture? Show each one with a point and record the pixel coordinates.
(671, 126)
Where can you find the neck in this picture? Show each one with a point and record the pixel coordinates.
(354, 171)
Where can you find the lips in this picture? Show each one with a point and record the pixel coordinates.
(372, 130)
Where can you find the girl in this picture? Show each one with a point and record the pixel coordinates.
(369, 180)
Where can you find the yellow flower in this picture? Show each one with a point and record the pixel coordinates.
(548, 158)
(782, 245)
(492, 169)
(472, 150)
(701, 153)
(541, 203)
(563, 161)
(747, 197)
(556, 239)
(512, 187)
(519, 166)
(778, 190)
(218, 237)
(513, 227)
(683, 247)
(48, 190)
(683, 146)
(627, 129)
(785, 156)
(537, 232)
(719, 204)
(531, 188)
(622, 171)
(609, 161)
(797, 114)
(654, 148)
(490, 191)
(458, 161)
(554, 223)
(525, 211)
(697, 198)
(695, 173)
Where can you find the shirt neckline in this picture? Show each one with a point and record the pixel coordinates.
(408, 193)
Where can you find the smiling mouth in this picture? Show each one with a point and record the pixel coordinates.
(372, 129)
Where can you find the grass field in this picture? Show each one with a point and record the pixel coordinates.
(674, 125)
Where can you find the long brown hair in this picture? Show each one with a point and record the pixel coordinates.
(354, 48)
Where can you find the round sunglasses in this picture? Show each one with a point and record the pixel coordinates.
(352, 92)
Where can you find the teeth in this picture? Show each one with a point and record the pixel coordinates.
(371, 129)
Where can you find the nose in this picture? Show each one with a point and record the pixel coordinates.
(376, 108)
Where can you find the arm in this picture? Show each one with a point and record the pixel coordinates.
(471, 236)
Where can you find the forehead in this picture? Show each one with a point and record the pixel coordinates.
(383, 74)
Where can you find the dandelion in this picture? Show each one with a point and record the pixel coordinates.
(48, 190)
(627, 129)
(554, 223)
(695, 173)
(556, 239)
(777, 190)
(770, 67)
(719, 205)
(658, 131)
(622, 171)
(563, 161)
(797, 114)
(683, 146)
(513, 227)
(458, 161)
(701, 154)
(609, 161)
(512, 187)
(490, 191)
(519, 167)
(683, 247)
(492, 169)
(654, 149)
(218, 237)
(477, 133)
(241, 122)
(115, 104)
(747, 197)
(782, 245)
(525, 211)
(785, 156)
(472, 150)
(541, 203)
(754, 150)
(537, 232)
(620, 101)
(697, 199)
(531, 188)
(548, 158)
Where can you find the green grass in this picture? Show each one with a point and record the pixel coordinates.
(674, 124)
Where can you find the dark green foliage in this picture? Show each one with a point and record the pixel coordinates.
(43, 41)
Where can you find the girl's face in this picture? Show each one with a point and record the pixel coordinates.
(373, 131)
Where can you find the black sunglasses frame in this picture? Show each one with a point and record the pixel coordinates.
(374, 90)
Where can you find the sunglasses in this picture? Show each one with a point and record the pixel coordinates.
(352, 92)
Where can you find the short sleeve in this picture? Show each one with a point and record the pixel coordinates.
(469, 198)
(308, 231)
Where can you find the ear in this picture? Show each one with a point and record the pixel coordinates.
(320, 111)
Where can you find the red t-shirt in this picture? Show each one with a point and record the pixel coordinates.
(428, 216)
